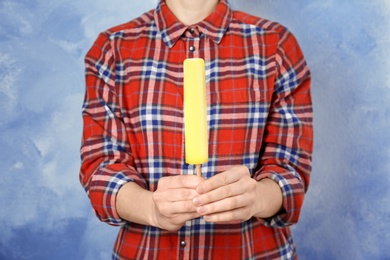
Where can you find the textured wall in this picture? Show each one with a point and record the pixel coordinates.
(45, 214)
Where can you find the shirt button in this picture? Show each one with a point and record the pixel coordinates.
(192, 48)
(192, 30)
(183, 244)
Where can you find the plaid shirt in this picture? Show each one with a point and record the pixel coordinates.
(259, 115)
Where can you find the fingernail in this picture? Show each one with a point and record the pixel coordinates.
(207, 218)
(201, 210)
(197, 201)
(199, 190)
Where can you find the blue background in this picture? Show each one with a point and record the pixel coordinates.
(44, 212)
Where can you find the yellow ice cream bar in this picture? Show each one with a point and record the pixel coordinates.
(195, 112)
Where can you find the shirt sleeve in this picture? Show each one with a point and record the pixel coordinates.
(107, 161)
(288, 141)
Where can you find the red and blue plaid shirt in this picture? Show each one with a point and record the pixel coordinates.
(259, 115)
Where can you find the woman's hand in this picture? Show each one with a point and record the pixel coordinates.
(234, 196)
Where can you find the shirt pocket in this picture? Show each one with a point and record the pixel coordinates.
(236, 121)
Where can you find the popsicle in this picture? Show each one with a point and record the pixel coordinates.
(195, 113)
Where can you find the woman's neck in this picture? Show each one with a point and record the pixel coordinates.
(191, 11)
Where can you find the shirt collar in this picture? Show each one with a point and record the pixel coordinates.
(213, 27)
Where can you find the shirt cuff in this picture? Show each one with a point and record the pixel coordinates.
(293, 192)
(103, 191)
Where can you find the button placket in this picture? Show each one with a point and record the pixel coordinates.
(184, 247)
(193, 47)
(184, 241)
(192, 37)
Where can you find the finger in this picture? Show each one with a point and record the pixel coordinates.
(175, 222)
(182, 218)
(228, 204)
(220, 193)
(183, 207)
(239, 214)
(180, 181)
(222, 179)
(173, 195)
(177, 208)
(168, 196)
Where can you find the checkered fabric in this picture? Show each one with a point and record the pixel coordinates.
(259, 115)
